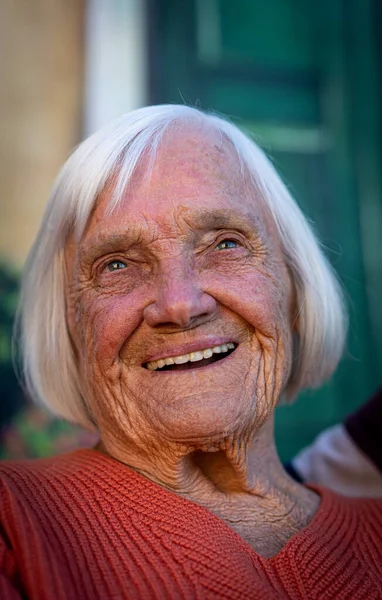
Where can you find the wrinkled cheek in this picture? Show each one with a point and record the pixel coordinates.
(106, 325)
(266, 308)
(278, 355)
(253, 296)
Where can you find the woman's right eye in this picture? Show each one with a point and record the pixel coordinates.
(116, 265)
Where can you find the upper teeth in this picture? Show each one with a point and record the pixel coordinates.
(191, 357)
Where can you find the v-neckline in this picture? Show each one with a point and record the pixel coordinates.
(313, 525)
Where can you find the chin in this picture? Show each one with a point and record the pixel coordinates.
(205, 424)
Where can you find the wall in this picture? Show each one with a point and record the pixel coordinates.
(41, 57)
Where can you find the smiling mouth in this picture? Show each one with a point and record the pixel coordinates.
(193, 360)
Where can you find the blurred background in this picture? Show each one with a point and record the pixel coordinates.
(304, 77)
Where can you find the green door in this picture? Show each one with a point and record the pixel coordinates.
(302, 77)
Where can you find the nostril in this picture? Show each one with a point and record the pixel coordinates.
(179, 305)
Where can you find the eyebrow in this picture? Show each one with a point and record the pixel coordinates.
(198, 219)
(101, 245)
(223, 218)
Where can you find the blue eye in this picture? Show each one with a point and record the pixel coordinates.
(226, 245)
(116, 265)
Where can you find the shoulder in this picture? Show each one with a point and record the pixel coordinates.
(86, 478)
(12, 470)
(35, 492)
(333, 501)
(359, 505)
(368, 512)
(357, 519)
(29, 479)
(340, 549)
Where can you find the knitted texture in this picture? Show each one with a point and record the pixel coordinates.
(83, 526)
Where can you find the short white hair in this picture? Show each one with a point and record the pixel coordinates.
(48, 359)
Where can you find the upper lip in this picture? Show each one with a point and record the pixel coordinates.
(187, 348)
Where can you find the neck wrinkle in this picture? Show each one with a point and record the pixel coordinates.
(244, 485)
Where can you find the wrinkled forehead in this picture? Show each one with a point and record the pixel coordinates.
(190, 168)
(199, 150)
(189, 156)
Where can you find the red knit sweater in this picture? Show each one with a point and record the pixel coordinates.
(83, 526)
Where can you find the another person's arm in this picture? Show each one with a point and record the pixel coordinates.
(347, 458)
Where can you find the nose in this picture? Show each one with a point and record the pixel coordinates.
(179, 298)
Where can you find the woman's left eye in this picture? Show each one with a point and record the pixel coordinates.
(116, 265)
(227, 244)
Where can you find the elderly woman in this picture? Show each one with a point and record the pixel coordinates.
(175, 294)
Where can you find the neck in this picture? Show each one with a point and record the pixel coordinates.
(245, 485)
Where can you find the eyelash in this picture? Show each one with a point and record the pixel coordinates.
(228, 240)
(113, 262)
(121, 262)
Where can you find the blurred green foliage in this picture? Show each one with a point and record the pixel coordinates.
(12, 397)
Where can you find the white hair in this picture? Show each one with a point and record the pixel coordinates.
(49, 364)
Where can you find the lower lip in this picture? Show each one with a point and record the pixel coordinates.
(195, 369)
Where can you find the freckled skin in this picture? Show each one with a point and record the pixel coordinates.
(204, 433)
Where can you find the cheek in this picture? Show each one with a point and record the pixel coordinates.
(264, 301)
(106, 324)
(258, 297)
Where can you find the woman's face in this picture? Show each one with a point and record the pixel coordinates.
(189, 267)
